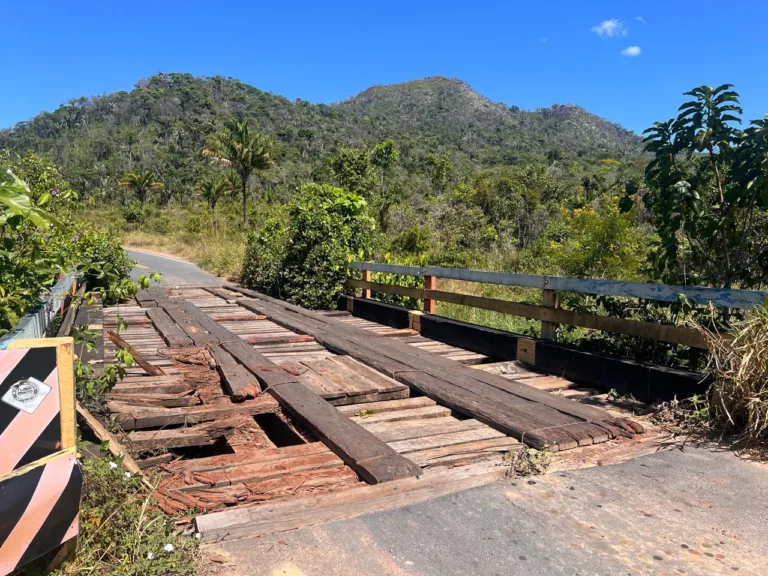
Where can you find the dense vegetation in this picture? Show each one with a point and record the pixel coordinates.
(422, 172)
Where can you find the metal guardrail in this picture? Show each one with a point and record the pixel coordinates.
(742, 299)
(37, 321)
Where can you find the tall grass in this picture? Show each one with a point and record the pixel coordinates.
(738, 400)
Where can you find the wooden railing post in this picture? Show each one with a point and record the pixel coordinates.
(430, 283)
(366, 292)
(549, 329)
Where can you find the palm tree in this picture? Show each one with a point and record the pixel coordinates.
(214, 189)
(141, 182)
(244, 151)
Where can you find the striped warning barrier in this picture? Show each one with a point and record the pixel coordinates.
(38, 511)
(40, 479)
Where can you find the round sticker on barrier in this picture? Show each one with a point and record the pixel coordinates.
(27, 395)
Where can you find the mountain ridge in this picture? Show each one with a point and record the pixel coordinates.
(172, 116)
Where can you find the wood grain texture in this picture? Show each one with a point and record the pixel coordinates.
(371, 458)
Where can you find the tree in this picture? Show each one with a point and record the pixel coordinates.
(214, 189)
(353, 170)
(141, 183)
(384, 157)
(244, 151)
(708, 193)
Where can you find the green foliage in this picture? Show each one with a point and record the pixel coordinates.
(708, 193)
(121, 533)
(244, 152)
(141, 183)
(214, 189)
(304, 259)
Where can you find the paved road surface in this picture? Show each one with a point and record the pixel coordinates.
(690, 510)
(175, 272)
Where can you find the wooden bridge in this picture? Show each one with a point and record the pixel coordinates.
(239, 399)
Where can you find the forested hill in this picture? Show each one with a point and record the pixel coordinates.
(165, 120)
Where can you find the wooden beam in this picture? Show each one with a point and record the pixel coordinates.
(112, 444)
(138, 358)
(290, 514)
(171, 333)
(135, 418)
(371, 458)
(239, 382)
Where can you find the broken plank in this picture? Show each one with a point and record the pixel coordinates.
(130, 418)
(199, 435)
(298, 513)
(112, 444)
(239, 382)
(137, 357)
(371, 458)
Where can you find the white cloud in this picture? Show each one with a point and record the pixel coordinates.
(610, 28)
(640, 19)
(631, 51)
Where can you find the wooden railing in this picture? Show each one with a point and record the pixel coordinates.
(550, 314)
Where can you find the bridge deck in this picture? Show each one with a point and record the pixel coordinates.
(405, 406)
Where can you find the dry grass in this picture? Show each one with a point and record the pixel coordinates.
(738, 401)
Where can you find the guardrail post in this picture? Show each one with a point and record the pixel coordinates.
(430, 283)
(366, 292)
(550, 300)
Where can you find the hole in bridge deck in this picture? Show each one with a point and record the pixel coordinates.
(278, 432)
(218, 448)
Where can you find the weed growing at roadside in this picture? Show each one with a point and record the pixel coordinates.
(526, 462)
(121, 534)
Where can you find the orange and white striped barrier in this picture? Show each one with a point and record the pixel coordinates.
(40, 479)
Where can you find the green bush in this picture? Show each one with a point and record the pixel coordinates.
(133, 212)
(305, 259)
(264, 255)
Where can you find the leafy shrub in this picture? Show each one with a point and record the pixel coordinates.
(264, 255)
(133, 212)
(121, 534)
(306, 261)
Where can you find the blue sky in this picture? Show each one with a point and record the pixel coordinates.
(530, 54)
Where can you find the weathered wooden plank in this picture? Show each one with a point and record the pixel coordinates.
(388, 406)
(298, 513)
(314, 381)
(267, 372)
(408, 429)
(129, 418)
(199, 336)
(373, 460)
(173, 335)
(199, 435)
(239, 382)
(353, 384)
(413, 414)
(137, 357)
(447, 455)
(449, 439)
(717, 296)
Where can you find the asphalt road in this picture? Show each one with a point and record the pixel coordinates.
(695, 511)
(689, 510)
(175, 272)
